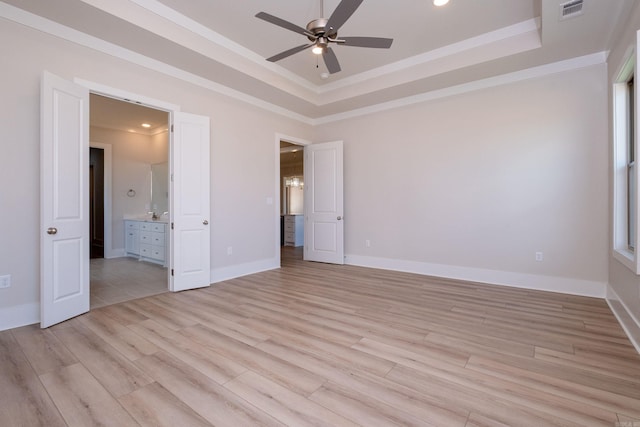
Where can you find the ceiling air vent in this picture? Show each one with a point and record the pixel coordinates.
(571, 9)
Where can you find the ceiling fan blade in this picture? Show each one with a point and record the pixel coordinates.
(343, 12)
(331, 60)
(289, 52)
(377, 42)
(282, 23)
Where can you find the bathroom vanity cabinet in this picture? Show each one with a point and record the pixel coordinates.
(146, 240)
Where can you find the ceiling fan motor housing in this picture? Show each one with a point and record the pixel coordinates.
(317, 27)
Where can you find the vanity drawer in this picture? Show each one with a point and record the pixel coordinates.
(157, 253)
(132, 225)
(145, 226)
(146, 237)
(157, 238)
(158, 228)
(145, 250)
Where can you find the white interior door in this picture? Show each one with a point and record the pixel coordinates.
(190, 234)
(324, 204)
(64, 218)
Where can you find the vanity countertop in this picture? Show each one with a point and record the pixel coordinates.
(146, 218)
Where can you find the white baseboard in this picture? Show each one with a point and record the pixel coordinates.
(20, 315)
(495, 277)
(233, 271)
(627, 320)
(115, 253)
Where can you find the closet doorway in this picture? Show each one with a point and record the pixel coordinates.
(129, 142)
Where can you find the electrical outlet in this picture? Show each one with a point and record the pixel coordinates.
(367, 243)
(230, 250)
(5, 281)
(539, 256)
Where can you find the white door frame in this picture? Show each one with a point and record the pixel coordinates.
(106, 148)
(126, 96)
(278, 182)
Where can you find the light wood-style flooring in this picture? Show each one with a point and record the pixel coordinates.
(316, 344)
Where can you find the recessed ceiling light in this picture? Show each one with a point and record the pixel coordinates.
(440, 2)
(146, 125)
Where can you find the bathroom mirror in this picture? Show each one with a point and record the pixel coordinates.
(160, 188)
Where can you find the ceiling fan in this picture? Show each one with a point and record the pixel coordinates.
(322, 31)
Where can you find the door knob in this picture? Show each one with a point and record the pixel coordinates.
(52, 230)
(205, 222)
(339, 218)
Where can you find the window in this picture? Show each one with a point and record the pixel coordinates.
(631, 172)
(625, 180)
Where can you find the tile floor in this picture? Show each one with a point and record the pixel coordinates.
(122, 279)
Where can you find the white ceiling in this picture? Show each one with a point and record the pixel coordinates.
(126, 116)
(434, 48)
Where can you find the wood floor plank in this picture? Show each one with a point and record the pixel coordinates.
(295, 378)
(214, 365)
(346, 354)
(211, 319)
(205, 301)
(477, 344)
(117, 335)
(122, 314)
(43, 349)
(82, 400)
(570, 384)
(298, 325)
(410, 357)
(479, 420)
(114, 371)
(587, 361)
(489, 405)
(432, 409)
(363, 409)
(154, 406)
(210, 400)
(286, 406)
(363, 327)
(170, 319)
(24, 400)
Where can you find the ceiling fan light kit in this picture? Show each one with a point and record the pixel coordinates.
(322, 32)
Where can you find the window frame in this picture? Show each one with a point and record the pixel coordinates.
(625, 177)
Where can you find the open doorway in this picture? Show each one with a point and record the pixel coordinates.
(129, 200)
(292, 200)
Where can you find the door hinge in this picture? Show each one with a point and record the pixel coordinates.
(172, 226)
(172, 271)
(171, 128)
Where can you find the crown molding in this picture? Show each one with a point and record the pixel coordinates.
(155, 17)
(516, 30)
(63, 32)
(516, 76)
